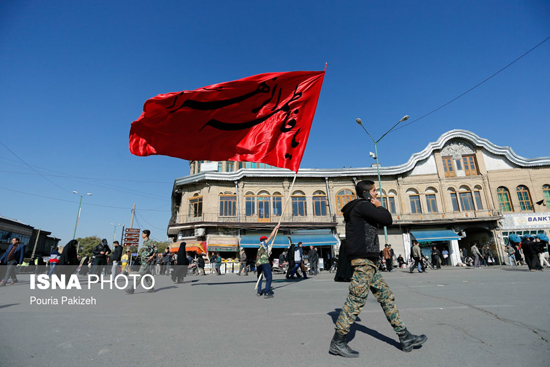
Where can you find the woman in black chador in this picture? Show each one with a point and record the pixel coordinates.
(68, 262)
(180, 270)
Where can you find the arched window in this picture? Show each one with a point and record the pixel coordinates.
(546, 194)
(466, 198)
(228, 205)
(414, 200)
(195, 206)
(524, 198)
(390, 201)
(264, 204)
(342, 198)
(299, 204)
(249, 204)
(504, 199)
(477, 198)
(431, 202)
(454, 199)
(319, 204)
(277, 204)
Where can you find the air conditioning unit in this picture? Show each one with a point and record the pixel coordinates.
(199, 232)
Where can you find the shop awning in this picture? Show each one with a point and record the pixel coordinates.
(253, 240)
(223, 244)
(198, 246)
(315, 239)
(442, 235)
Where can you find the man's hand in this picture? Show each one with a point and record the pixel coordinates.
(102, 252)
(376, 202)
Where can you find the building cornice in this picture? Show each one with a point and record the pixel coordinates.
(506, 152)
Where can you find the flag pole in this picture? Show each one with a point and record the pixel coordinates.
(269, 247)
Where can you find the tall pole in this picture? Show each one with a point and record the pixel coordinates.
(77, 217)
(404, 118)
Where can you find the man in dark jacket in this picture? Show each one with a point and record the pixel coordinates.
(362, 217)
(101, 251)
(13, 256)
(313, 260)
(115, 258)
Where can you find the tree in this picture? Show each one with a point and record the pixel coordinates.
(161, 245)
(86, 245)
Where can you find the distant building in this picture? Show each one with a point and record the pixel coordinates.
(459, 189)
(11, 228)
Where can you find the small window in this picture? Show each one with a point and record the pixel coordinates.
(392, 205)
(228, 205)
(448, 167)
(546, 194)
(431, 203)
(195, 207)
(466, 200)
(469, 165)
(504, 199)
(299, 206)
(342, 198)
(415, 204)
(524, 198)
(319, 205)
(277, 204)
(454, 201)
(477, 197)
(458, 165)
(250, 205)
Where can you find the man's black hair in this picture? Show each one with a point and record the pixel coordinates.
(147, 232)
(362, 186)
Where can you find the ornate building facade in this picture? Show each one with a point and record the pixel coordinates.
(459, 189)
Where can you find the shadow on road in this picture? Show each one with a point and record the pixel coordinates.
(355, 327)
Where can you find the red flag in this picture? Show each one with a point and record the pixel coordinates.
(263, 118)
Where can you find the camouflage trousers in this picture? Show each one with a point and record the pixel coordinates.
(366, 277)
(144, 269)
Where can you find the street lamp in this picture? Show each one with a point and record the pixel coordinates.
(404, 118)
(79, 209)
(114, 234)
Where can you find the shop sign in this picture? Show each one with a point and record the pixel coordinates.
(526, 221)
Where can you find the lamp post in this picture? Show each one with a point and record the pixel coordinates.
(114, 234)
(79, 209)
(404, 118)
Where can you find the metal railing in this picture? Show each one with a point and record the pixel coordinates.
(243, 218)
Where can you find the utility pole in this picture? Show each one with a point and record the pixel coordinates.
(133, 213)
(36, 243)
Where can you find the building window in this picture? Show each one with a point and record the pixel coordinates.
(524, 198)
(319, 205)
(477, 197)
(546, 194)
(415, 204)
(391, 208)
(342, 198)
(504, 199)
(277, 204)
(458, 165)
(448, 167)
(431, 203)
(299, 205)
(454, 201)
(230, 166)
(466, 200)
(470, 168)
(195, 207)
(263, 206)
(228, 205)
(250, 204)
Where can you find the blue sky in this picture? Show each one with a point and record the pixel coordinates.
(75, 74)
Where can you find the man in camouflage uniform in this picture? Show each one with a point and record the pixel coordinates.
(362, 217)
(263, 265)
(148, 252)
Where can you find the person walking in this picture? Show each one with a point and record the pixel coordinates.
(243, 259)
(125, 260)
(436, 259)
(511, 255)
(200, 264)
(313, 260)
(477, 254)
(101, 251)
(362, 217)
(54, 260)
(416, 254)
(263, 266)
(166, 260)
(12, 257)
(116, 257)
(386, 254)
(180, 270)
(148, 252)
(542, 249)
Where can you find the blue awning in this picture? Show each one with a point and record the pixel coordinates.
(442, 235)
(315, 239)
(253, 240)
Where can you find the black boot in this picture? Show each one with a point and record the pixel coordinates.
(338, 346)
(408, 340)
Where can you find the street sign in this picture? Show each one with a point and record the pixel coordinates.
(131, 236)
(132, 230)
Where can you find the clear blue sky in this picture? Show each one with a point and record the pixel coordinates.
(75, 74)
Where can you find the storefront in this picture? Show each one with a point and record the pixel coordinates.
(324, 240)
(191, 246)
(522, 224)
(441, 239)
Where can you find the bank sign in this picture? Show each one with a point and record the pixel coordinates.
(518, 221)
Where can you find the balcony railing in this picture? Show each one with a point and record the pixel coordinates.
(215, 217)
(458, 216)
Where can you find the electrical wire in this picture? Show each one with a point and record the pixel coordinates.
(471, 89)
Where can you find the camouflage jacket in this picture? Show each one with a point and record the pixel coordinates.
(148, 250)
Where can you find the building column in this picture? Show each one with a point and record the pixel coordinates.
(454, 253)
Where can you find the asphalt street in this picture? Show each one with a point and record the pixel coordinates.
(495, 316)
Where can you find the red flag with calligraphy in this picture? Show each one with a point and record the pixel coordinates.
(264, 118)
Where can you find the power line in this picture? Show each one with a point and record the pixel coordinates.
(474, 87)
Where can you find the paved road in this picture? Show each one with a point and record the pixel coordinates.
(489, 317)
